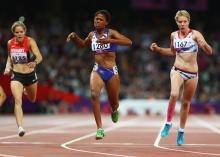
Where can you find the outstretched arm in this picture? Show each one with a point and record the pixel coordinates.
(116, 38)
(163, 51)
(80, 42)
(202, 43)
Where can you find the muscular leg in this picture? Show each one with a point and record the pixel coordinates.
(112, 88)
(176, 82)
(2, 96)
(189, 89)
(31, 92)
(96, 84)
(17, 90)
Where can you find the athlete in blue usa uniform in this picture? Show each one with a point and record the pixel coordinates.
(184, 46)
(105, 73)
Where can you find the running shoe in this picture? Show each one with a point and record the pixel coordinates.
(114, 116)
(21, 131)
(166, 129)
(100, 134)
(179, 139)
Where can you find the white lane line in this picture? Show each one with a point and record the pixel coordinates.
(207, 125)
(157, 141)
(150, 145)
(64, 126)
(126, 123)
(187, 151)
(203, 123)
(29, 143)
(5, 155)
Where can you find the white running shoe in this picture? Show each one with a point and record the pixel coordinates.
(21, 131)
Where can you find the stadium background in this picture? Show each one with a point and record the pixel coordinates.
(64, 72)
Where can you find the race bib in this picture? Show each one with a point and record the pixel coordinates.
(19, 58)
(99, 46)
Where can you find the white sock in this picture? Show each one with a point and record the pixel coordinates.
(169, 123)
(181, 130)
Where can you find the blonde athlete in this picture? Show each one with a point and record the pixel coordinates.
(184, 46)
(23, 57)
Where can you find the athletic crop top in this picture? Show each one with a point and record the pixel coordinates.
(187, 44)
(99, 47)
(19, 52)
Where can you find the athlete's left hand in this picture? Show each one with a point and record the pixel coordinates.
(31, 64)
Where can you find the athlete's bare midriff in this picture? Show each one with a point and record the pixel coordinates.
(187, 61)
(105, 60)
(22, 68)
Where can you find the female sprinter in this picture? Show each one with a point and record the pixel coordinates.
(23, 57)
(103, 42)
(184, 46)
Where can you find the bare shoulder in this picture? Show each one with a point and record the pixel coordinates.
(30, 39)
(112, 31)
(173, 34)
(9, 41)
(90, 35)
(195, 32)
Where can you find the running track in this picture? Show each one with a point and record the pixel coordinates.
(133, 136)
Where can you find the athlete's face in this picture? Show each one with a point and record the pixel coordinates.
(183, 23)
(100, 21)
(19, 33)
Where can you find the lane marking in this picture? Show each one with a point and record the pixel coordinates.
(187, 151)
(144, 144)
(207, 125)
(125, 123)
(202, 123)
(64, 126)
(157, 141)
(5, 155)
(29, 143)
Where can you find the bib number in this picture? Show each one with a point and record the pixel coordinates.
(180, 44)
(99, 46)
(19, 58)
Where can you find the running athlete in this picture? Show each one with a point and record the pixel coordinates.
(23, 57)
(103, 43)
(184, 46)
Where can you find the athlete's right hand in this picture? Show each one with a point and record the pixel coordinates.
(71, 36)
(7, 72)
(154, 47)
